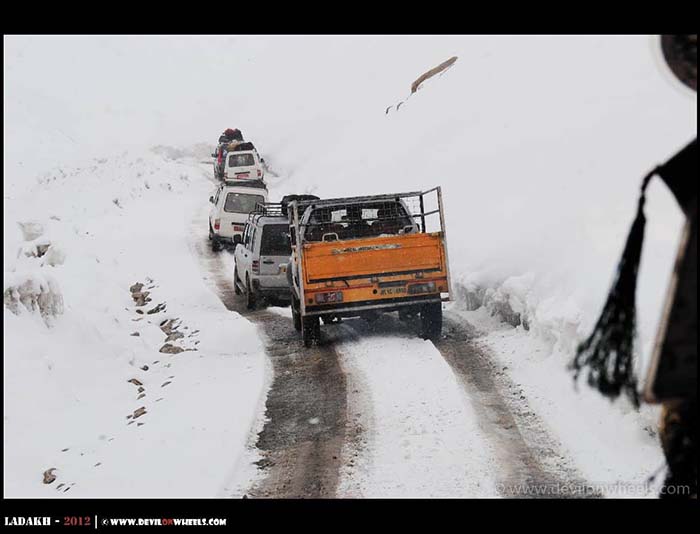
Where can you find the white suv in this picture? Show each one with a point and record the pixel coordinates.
(262, 257)
(233, 201)
(243, 165)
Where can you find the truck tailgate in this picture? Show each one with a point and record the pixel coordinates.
(358, 258)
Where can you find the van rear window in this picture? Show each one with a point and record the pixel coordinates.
(241, 160)
(275, 240)
(241, 203)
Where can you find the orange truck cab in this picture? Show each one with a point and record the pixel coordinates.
(361, 256)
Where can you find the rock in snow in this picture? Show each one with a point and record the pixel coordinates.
(171, 349)
(49, 477)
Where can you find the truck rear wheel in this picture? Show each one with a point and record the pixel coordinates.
(311, 330)
(406, 314)
(296, 315)
(431, 321)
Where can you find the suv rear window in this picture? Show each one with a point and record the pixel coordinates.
(241, 203)
(241, 160)
(275, 240)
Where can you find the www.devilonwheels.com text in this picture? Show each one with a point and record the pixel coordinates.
(619, 489)
(164, 521)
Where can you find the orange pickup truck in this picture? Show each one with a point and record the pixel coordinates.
(361, 256)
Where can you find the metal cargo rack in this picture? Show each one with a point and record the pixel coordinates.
(424, 208)
(265, 209)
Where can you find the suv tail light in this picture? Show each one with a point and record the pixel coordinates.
(217, 224)
(256, 267)
(259, 173)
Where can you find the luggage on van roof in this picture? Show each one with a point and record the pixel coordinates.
(247, 145)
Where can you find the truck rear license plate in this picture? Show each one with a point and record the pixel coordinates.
(393, 290)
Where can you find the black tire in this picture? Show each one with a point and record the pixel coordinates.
(310, 331)
(371, 317)
(215, 244)
(406, 314)
(236, 289)
(296, 314)
(250, 296)
(431, 321)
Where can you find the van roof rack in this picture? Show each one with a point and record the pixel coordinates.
(244, 182)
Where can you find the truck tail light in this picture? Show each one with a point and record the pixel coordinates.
(327, 298)
(256, 267)
(217, 224)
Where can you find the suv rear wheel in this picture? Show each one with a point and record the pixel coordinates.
(250, 297)
(215, 243)
(236, 289)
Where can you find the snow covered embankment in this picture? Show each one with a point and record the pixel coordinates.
(117, 396)
(615, 446)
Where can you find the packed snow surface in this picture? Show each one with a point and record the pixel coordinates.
(423, 437)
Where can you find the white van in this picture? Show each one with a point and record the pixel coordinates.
(233, 201)
(243, 165)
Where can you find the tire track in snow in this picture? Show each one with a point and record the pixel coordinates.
(305, 426)
(530, 456)
(421, 437)
(520, 452)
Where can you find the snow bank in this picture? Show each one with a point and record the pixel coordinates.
(36, 292)
(71, 403)
(615, 449)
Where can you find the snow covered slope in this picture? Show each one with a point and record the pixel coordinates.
(77, 379)
(539, 142)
